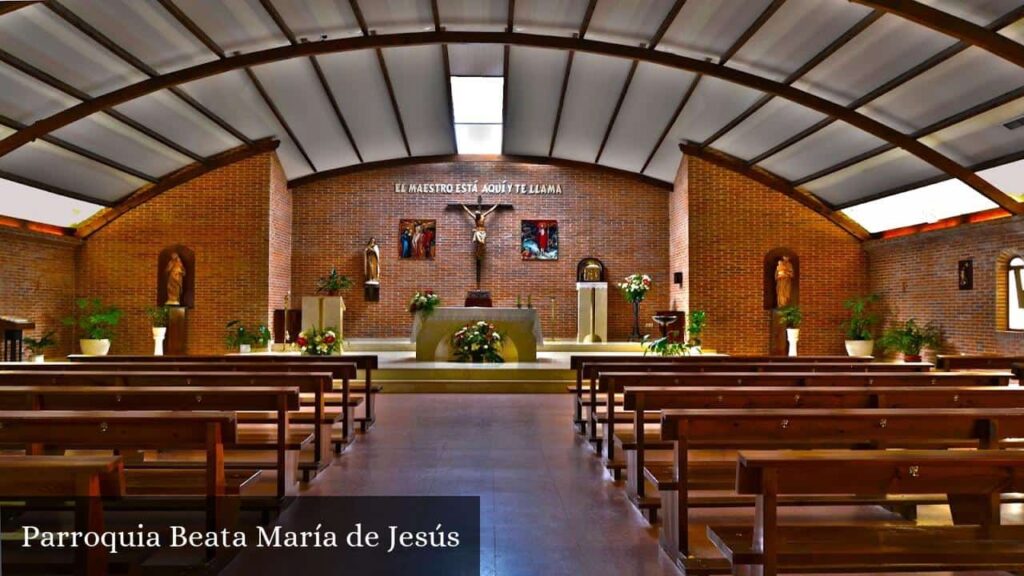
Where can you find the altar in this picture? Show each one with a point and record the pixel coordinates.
(520, 326)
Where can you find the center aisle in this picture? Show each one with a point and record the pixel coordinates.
(545, 506)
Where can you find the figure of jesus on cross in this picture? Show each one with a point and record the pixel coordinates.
(479, 214)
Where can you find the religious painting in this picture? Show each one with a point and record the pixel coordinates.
(539, 240)
(965, 274)
(417, 239)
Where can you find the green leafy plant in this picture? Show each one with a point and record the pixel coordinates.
(158, 316)
(478, 342)
(910, 338)
(38, 345)
(791, 316)
(262, 336)
(237, 334)
(698, 320)
(424, 302)
(664, 346)
(862, 320)
(94, 320)
(333, 283)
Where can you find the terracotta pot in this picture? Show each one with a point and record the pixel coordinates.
(911, 357)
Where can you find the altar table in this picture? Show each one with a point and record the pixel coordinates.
(520, 327)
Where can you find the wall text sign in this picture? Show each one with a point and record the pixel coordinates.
(475, 188)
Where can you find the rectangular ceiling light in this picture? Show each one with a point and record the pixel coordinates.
(477, 103)
(920, 206)
(28, 203)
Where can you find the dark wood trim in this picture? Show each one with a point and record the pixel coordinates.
(360, 19)
(53, 189)
(192, 27)
(280, 117)
(8, 7)
(762, 19)
(271, 10)
(672, 120)
(511, 18)
(561, 101)
(17, 225)
(446, 65)
(666, 23)
(504, 97)
(806, 132)
(436, 13)
(394, 101)
(443, 158)
(776, 183)
(615, 111)
(814, 102)
(587, 16)
(172, 180)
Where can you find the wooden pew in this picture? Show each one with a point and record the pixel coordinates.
(280, 400)
(808, 429)
(87, 480)
(947, 362)
(975, 478)
(365, 362)
(315, 383)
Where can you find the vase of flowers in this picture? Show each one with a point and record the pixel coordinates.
(635, 289)
(424, 302)
(478, 342)
(319, 341)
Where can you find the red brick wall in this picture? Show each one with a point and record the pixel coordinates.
(917, 278)
(224, 217)
(615, 218)
(679, 239)
(37, 281)
(733, 223)
(280, 245)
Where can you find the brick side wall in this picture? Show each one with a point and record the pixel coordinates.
(280, 271)
(917, 278)
(734, 222)
(37, 281)
(224, 217)
(679, 239)
(617, 219)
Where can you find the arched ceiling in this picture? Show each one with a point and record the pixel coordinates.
(832, 102)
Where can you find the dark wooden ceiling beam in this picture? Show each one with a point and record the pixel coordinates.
(776, 183)
(504, 97)
(761, 20)
(446, 66)
(584, 26)
(666, 23)
(378, 42)
(280, 117)
(615, 111)
(172, 180)
(672, 120)
(8, 7)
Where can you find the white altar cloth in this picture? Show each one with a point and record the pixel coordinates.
(521, 327)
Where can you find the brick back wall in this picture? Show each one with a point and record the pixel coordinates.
(224, 217)
(37, 282)
(280, 259)
(734, 222)
(917, 278)
(679, 240)
(617, 219)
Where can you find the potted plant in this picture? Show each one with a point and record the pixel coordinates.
(333, 283)
(635, 289)
(791, 317)
(664, 346)
(158, 317)
(238, 337)
(859, 338)
(261, 337)
(39, 345)
(910, 338)
(96, 322)
(698, 320)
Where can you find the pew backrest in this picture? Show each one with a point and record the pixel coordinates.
(61, 476)
(124, 398)
(949, 362)
(338, 370)
(109, 429)
(363, 361)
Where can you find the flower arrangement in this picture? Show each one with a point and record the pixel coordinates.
(635, 287)
(424, 302)
(478, 342)
(333, 283)
(318, 341)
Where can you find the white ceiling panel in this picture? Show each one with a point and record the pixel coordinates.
(145, 30)
(665, 162)
(476, 59)
(980, 12)
(827, 147)
(234, 98)
(632, 22)
(714, 104)
(1014, 31)
(776, 121)
(983, 137)
(594, 87)
(359, 87)
(883, 172)
(1007, 177)
(107, 137)
(421, 89)
(27, 100)
(885, 50)
(169, 116)
(238, 25)
(36, 160)
(295, 166)
(487, 15)
(44, 40)
(653, 97)
(969, 78)
(294, 88)
(534, 85)
(394, 16)
(707, 28)
(795, 34)
(312, 19)
(555, 17)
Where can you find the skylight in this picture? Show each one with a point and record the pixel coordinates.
(922, 205)
(477, 103)
(27, 203)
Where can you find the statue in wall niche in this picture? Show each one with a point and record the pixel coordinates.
(784, 274)
(371, 261)
(175, 280)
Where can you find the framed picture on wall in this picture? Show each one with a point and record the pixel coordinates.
(417, 239)
(965, 274)
(539, 240)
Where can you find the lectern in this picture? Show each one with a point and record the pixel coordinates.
(591, 312)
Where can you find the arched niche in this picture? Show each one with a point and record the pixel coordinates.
(771, 261)
(188, 290)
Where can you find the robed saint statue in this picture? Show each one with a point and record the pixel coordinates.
(371, 262)
(175, 280)
(784, 274)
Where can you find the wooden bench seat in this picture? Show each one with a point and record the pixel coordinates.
(948, 362)
(183, 481)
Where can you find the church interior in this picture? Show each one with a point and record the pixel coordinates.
(559, 287)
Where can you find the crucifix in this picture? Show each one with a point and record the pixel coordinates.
(479, 215)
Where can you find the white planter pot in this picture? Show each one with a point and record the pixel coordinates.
(159, 333)
(39, 358)
(95, 347)
(244, 348)
(860, 347)
(792, 336)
